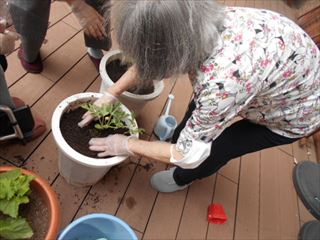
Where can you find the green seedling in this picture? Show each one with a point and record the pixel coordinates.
(111, 116)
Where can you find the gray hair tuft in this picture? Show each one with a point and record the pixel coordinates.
(165, 37)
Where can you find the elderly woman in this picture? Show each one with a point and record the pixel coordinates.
(243, 62)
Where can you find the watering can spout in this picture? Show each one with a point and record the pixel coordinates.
(170, 99)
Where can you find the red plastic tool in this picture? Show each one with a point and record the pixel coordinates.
(216, 214)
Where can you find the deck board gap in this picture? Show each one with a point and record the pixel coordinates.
(84, 198)
(215, 179)
(181, 214)
(237, 200)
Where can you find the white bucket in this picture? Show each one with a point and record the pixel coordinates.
(77, 168)
(134, 102)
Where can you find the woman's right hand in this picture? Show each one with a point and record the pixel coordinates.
(127, 81)
(7, 42)
(107, 98)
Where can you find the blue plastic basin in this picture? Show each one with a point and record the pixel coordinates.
(98, 225)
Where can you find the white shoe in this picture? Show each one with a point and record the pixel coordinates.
(163, 181)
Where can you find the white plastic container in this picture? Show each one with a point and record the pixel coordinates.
(76, 168)
(134, 102)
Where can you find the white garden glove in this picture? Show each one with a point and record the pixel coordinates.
(7, 42)
(107, 98)
(113, 145)
(91, 21)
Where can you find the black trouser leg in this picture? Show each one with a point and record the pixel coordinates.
(181, 125)
(239, 139)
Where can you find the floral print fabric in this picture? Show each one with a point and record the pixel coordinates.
(266, 70)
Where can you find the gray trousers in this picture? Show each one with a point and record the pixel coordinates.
(5, 98)
(31, 17)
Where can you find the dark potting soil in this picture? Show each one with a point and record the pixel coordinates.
(37, 214)
(116, 69)
(78, 138)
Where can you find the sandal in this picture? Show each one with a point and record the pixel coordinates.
(38, 129)
(18, 102)
(33, 67)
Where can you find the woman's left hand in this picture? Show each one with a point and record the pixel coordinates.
(113, 145)
(7, 42)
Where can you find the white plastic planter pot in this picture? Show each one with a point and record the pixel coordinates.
(77, 168)
(134, 102)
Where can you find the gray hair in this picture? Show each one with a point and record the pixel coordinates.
(166, 37)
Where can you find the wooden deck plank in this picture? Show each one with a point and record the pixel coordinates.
(301, 154)
(15, 71)
(231, 170)
(278, 201)
(58, 11)
(287, 148)
(165, 217)
(106, 195)
(261, 4)
(226, 194)
(44, 160)
(70, 198)
(240, 3)
(274, 6)
(285, 10)
(230, 3)
(72, 21)
(247, 221)
(30, 88)
(139, 234)
(312, 151)
(194, 221)
(58, 35)
(140, 196)
(250, 3)
(62, 60)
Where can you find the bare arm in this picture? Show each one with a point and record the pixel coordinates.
(156, 150)
(128, 80)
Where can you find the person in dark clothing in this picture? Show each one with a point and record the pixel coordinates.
(31, 19)
(7, 44)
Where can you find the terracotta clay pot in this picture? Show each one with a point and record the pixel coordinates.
(45, 190)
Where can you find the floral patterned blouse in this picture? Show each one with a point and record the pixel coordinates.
(266, 70)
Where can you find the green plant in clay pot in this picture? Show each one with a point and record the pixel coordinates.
(14, 191)
(29, 207)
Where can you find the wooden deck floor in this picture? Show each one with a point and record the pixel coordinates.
(256, 190)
